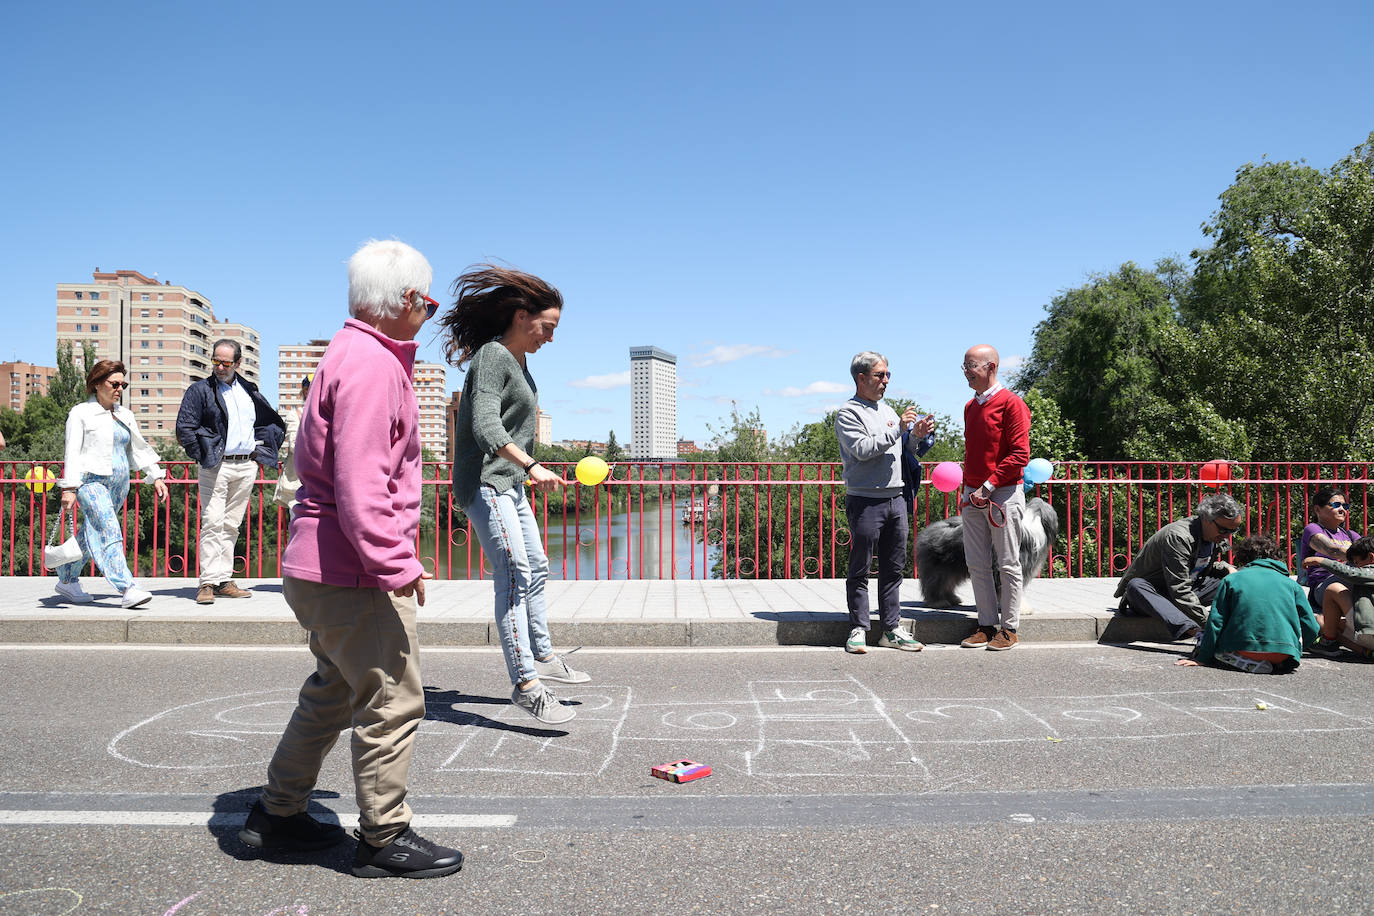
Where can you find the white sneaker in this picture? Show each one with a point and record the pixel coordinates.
(135, 597)
(1241, 663)
(556, 669)
(74, 593)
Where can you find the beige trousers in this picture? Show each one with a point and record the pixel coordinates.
(992, 540)
(367, 676)
(224, 493)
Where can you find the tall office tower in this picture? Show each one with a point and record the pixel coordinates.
(543, 429)
(162, 333)
(430, 392)
(21, 381)
(653, 403)
(295, 362)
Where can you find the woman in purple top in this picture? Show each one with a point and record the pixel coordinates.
(1327, 536)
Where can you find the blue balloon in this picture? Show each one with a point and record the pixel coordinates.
(1038, 471)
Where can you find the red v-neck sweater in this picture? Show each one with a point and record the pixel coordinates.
(996, 440)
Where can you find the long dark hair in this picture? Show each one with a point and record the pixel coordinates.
(485, 300)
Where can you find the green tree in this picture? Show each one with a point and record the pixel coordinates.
(614, 452)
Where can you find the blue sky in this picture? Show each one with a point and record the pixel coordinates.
(763, 189)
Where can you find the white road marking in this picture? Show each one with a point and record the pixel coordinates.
(201, 819)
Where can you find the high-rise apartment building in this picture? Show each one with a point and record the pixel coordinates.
(430, 391)
(653, 403)
(21, 381)
(543, 429)
(162, 333)
(296, 361)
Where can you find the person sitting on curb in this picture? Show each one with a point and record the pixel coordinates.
(1260, 618)
(1348, 614)
(1177, 572)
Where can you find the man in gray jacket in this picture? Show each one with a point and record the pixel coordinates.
(874, 443)
(1176, 574)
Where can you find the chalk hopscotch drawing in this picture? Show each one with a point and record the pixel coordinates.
(57, 901)
(587, 749)
(776, 729)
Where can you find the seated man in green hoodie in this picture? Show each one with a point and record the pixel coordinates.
(1260, 619)
(1348, 618)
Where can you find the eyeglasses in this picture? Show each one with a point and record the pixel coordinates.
(431, 305)
(1334, 504)
(1225, 530)
(116, 385)
(972, 367)
(880, 375)
(225, 363)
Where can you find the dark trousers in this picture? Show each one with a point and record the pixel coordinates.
(879, 523)
(1143, 598)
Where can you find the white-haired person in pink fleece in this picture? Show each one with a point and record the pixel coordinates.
(352, 577)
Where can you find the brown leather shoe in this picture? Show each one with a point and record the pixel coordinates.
(1004, 640)
(231, 590)
(205, 594)
(980, 638)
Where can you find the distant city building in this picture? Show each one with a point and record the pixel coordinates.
(21, 381)
(162, 333)
(687, 447)
(586, 446)
(653, 403)
(295, 362)
(431, 393)
(543, 430)
(451, 422)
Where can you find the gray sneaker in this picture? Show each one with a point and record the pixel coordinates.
(540, 702)
(556, 669)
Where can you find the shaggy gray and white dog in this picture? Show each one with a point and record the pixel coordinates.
(940, 560)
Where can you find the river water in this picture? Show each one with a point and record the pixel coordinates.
(647, 543)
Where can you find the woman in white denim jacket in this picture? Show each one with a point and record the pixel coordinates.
(103, 443)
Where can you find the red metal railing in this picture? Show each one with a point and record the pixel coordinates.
(709, 520)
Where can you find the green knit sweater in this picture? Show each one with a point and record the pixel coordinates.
(500, 404)
(1258, 609)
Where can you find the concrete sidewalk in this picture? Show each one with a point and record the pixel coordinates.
(591, 613)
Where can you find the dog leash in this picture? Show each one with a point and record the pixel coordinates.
(992, 519)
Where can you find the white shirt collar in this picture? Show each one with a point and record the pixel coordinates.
(983, 398)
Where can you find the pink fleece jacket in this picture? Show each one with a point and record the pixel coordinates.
(358, 459)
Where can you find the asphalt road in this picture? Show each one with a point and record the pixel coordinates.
(1047, 779)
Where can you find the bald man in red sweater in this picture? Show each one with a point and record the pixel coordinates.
(996, 449)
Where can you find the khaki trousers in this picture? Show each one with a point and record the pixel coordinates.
(367, 676)
(988, 546)
(224, 492)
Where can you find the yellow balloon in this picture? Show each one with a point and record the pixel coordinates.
(591, 471)
(39, 479)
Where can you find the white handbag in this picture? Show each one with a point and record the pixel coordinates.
(69, 551)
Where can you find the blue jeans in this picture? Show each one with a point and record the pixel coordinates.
(505, 526)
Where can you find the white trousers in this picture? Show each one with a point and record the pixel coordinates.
(224, 493)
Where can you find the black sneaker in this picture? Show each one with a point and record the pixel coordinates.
(408, 856)
(294, 832)
(1326, 648)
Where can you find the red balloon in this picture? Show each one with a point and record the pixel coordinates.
(1213, 473)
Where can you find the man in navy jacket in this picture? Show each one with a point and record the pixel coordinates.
(229, 429)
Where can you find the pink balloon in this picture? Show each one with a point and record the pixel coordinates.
(947, 476)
